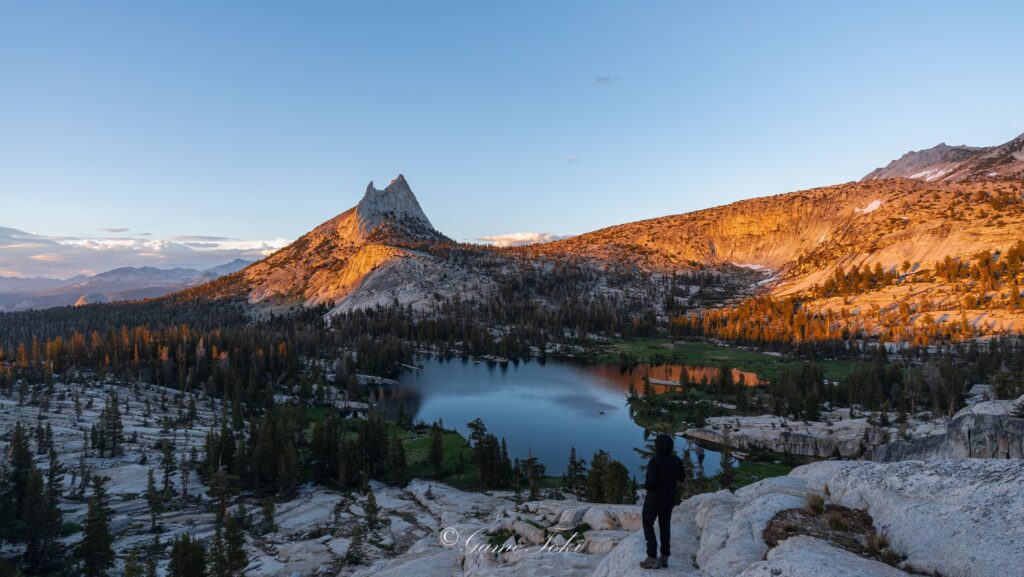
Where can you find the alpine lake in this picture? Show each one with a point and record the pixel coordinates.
(545, 408)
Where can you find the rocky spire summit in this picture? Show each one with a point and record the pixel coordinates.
(395, 204)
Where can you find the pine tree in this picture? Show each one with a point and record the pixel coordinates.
(8, 505)
(575, 475)
(154, 499)
(112, 426)
(21, 463)
(41, 524)
(234, 542)
(151, 556)
(403, 419)
(356, 553)
(1018, 410)
(188, 558)
(218, 555)
(54, 473)
(727, 474)
(99, 439)
(397, 466)
(83, 475)
(371, 511)
(608, 480)
(287, 471)
(505, 467)
(437, 450)
(40, 438)
(688, 474)
(531, 472)
(94, 550)
(595, 479)
(169, 463)
(267, 508)
(132, 568)
(617, 487)
(185, 467)
(812, 406)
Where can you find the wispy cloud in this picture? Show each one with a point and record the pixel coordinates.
(32, 255)
(198, 238)
(519, 238)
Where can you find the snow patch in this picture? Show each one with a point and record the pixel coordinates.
(751, 266)
(871, 207)
(931, 174)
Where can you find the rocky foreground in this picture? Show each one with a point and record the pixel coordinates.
(955, 518)
(949, 517)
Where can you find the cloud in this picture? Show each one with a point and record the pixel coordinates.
(115, 230)
(606, 80)
(520, 238)
(31, 255)
(198, 238)
(573, 158)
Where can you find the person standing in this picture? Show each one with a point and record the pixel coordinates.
(664, 471)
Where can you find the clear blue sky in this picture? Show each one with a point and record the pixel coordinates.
(258, 120)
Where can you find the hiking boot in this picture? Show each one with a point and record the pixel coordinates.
(663, 560)
(650, 563)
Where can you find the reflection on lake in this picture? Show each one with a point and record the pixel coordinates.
(661, 375)
(543, 408)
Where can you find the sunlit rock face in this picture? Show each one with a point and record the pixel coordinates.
(799, 240)
(91, 299)
(395, 205)
(803, 236)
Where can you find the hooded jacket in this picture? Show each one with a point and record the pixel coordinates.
(664, 470)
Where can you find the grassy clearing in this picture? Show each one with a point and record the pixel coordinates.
(749, 471)
(459, 469)
(458, 457)
(460, 472)
(663, 350)
(316, 414)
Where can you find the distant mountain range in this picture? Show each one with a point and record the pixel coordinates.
(126, 283)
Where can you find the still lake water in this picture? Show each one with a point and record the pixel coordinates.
(540, 408)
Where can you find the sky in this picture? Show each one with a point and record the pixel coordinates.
(131, 124)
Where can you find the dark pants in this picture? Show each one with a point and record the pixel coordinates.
(664, 517)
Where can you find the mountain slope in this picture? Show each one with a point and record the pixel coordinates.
(372, 247)
(958, 163)
(385, 250)
(806, 234)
